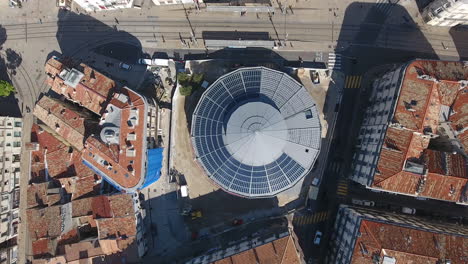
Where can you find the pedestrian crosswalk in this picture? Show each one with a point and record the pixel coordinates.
(335, 167)
(334, 61)
(385, 6)
(342, 189)
(310, 219)
(353, 81)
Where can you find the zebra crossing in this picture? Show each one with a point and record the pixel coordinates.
(385, 6)
(310, 219)
(353, 81)
(342, 189)
(334, 61)
(335, 167)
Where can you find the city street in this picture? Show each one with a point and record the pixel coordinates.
(363, 34)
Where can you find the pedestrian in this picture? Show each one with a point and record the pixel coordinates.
(40, 20)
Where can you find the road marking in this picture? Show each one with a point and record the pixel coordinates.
(384, 6)
(334, 61)
(342, 188)
(311, 219)
(353, 81)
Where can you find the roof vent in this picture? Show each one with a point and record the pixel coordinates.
(414, 167)
(388, 260)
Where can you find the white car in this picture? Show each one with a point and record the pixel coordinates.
(363, 202)
(145, 61)
(318, 236)
(408, 210)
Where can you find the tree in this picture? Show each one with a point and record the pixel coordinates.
(6, 88)
(183, 78)
(197, 78)
(186, 90)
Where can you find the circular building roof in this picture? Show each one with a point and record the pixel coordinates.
(256, 132)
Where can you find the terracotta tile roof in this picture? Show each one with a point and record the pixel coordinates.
(113, 160)
(64, 165)
(37, 195)
(67, 123)
(44, 247)
(280, 251)
(120, 227)
(82, 207)
(44, 223)
(406, 245)
(81, 187)
(83, 250)
(91, 92)
(445, 163)
(459, 117)
(405, 164)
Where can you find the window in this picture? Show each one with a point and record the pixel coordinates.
(8, 134)
(18, 124)
(17, 134)
(17, 144)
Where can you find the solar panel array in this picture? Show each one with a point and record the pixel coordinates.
(209, 128)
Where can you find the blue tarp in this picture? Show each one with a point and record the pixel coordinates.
(154, 165)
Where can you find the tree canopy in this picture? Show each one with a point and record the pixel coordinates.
(189, 83)
(6, 88)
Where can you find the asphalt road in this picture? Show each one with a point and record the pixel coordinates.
(390, 36)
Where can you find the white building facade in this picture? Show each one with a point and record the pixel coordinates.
(446, 13)
(176, 2)
(374, 125)
(102, 5)
(10, 156)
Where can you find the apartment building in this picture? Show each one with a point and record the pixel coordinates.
(414, 134)
(365, 236)
(446, 13)
(10, 156)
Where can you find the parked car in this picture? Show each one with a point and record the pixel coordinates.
(125, 66)
(408, 210)
(363, 202)
(237, 222)
(316, 181)
(145, 61)
(196, 214)
(318, 236)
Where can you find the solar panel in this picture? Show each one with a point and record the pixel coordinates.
(244, 123)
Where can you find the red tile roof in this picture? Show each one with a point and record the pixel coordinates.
(280, 251)
(427, 88)
(37, 195)
(126, 170)
(69, 124)
(118, 227)
(406, 245)
(64, 165)
(92, 91)
(44, 223)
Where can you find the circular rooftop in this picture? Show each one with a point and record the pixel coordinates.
(256, 132)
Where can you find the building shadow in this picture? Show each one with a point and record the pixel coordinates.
(101, 46)
(174, 238)
(459, 36)
(9, 61)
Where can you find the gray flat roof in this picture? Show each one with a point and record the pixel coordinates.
(256, 132)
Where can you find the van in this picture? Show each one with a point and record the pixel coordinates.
(184, 191)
